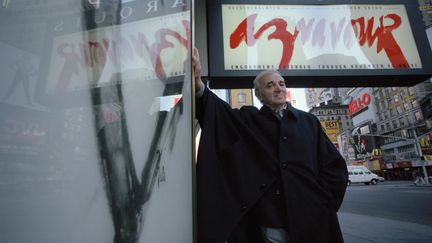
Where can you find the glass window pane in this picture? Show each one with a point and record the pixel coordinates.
(95, 132)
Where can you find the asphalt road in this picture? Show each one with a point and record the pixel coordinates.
(392, 200)
(387, 212)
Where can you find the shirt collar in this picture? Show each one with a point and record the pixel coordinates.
(284, 106)
(290, 111)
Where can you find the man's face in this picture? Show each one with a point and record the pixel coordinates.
(273, 90)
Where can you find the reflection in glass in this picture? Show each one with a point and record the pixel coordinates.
(96, 114)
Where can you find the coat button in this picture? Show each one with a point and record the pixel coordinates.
(284, 165)
(262, 186)
(284, 138)
(243, 208)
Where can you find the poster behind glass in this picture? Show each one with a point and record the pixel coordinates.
(95, 131)
(327, 44)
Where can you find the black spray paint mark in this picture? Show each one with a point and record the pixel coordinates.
(126, 192)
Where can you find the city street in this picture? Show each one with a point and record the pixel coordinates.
(387, 213)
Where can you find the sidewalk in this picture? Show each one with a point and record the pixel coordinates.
(366, 229)
(405, 183)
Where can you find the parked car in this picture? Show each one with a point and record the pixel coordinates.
(361, 174)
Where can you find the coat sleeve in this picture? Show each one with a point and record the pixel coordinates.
(333, 174)
(205, 105)
(218, 120)
(226, 169)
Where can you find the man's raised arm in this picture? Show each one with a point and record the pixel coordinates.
(196, 65)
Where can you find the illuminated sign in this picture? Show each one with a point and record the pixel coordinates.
(325, 45)
(359, 104)
(296, 36)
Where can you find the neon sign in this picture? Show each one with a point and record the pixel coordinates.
(359, 104)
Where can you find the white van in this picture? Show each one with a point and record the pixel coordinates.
(361, 174)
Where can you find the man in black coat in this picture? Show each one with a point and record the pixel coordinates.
(265, 175)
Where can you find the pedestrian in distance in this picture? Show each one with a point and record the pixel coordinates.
(265, 175)
(417, 177)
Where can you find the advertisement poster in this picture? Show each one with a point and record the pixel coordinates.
(315, 96)
(331, 128)
(363, 142)
(318, 37)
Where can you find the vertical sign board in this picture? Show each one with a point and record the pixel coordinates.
(331, 128)
(95, 122)
(318, 43)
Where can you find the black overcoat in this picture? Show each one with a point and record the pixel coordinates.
(242, 152)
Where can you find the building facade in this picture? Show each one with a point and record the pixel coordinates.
(387, 129)
(334, 119)
(402, 131)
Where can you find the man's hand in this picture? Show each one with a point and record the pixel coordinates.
(196, 65)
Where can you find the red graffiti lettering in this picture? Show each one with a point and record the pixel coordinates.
(244, 32)
(386, 40)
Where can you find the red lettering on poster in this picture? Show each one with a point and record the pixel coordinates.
(244, 32)
(364, 33)
(96, 53)
(386, 40)
(359, 104)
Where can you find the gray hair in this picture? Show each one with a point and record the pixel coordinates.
(258, 78)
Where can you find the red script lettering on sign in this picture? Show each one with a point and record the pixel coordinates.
(363, 31)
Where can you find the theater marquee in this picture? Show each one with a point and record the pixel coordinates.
(319, 45)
